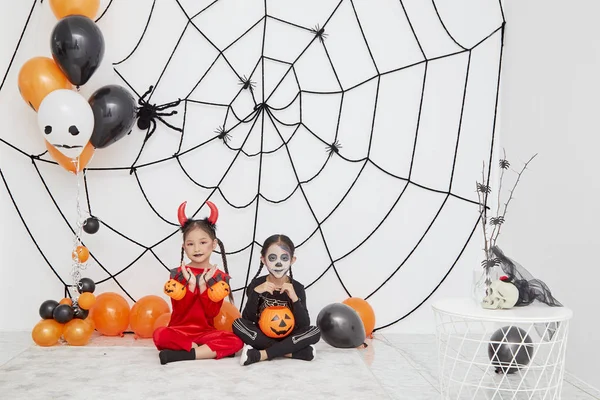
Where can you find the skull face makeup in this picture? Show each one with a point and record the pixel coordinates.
(501, 295)
(278, 260)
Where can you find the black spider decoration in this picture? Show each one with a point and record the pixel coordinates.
(148, 114)
(333, 148)
(497, 220)
(490, 263)
(247, 83)
(223, 134)
(320, 33)
(504, 164)
(481, 188)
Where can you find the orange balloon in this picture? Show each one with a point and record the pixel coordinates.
(70, 164)
(162, 321)
(224, 319)
(81, 252)
(144, 314)
(63, 8)
(77, 332)
(47, 332)
(365, 311)
(66, 301)
(39, 77)
(86, 300)
(110, 314)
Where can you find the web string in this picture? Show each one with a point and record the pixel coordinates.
(267, 116)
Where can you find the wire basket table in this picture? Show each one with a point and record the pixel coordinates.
(470, 362)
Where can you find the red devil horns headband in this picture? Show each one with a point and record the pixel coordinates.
(212, 219)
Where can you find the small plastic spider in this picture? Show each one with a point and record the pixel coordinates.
(333, 148)
(320, 33)
(148, 114)
(222, 134)
(497, 220)
(247, 83)
(481, 188)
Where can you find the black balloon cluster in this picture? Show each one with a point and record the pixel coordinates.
(63, 313)
(77, 46)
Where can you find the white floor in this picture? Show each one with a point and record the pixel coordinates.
(392, 367)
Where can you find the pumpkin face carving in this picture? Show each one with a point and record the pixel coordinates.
(276, 321)
(174, 289)
(218, 291)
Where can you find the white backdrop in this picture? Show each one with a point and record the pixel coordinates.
(550, 106)
(426, 228)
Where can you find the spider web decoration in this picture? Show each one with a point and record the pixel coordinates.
(358, 129)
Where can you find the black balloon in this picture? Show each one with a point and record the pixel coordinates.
(115, 112)
(91, 225)
(47, 308)
(86, 285)
(341, 326)
(78, 312)
(510, 353)
(63, 313)
(77, 46)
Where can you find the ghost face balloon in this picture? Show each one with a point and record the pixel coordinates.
(278, 260)
(66, 121)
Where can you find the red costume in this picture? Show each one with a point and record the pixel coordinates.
(192, 322)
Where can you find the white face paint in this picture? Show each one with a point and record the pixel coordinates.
(278, 260)
(501, 295)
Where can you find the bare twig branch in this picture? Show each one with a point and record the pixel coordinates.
(496, 227)
(494, 239)
(483, 210)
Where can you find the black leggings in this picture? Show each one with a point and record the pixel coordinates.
(299, 339)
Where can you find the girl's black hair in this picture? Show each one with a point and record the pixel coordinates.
(211, 231)
(280, 239)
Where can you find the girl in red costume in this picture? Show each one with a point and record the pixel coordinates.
(191, 334)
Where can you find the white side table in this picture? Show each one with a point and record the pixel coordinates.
(466, 371)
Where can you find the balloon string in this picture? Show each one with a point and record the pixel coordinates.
(77, 265)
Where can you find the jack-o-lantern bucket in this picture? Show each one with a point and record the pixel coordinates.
(218, 291)
(276, 322)
(174, 289)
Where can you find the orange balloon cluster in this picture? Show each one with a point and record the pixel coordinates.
(365, 312)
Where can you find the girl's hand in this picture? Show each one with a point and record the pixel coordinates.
(265, 287)
(206, 275)
(189, 277)
(209, 273)
(288, 289)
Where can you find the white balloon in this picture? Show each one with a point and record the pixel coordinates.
(66, 121)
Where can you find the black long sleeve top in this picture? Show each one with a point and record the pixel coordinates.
(257, 302)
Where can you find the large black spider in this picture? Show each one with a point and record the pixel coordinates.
(148, 114)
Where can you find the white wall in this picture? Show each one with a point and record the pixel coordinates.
(117, 199)
(550, 106)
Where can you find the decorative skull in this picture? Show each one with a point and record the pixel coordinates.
(501, 295)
